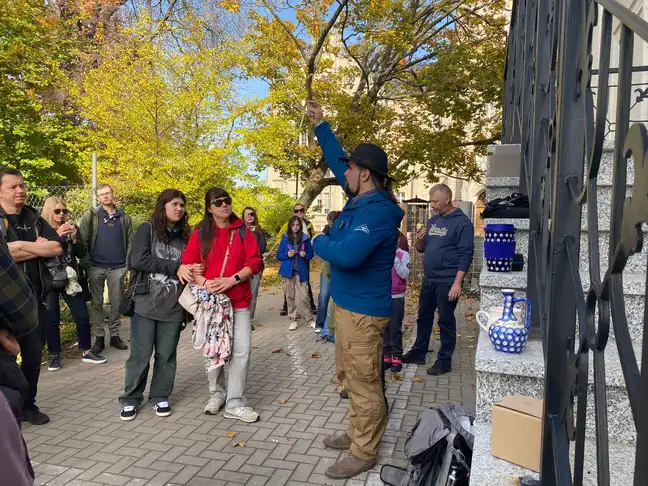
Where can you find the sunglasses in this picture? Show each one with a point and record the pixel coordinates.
(217, 203)
(300, 210)
(252, 213)
(59, 211)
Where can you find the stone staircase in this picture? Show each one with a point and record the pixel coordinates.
(500, 374)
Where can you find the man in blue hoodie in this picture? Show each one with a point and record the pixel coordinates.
(360, 246)
(447, 243)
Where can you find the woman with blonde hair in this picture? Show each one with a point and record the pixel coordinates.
(55, 212)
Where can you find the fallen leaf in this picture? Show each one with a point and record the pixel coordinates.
(389, 380)
(278, 350)
(258, 325)
(397, 377)
(316, 355)
(239, 444)
(282, 401)
(231, 435)
(418, 379)
(254, 346)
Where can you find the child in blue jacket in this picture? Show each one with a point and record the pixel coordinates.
(294, 253)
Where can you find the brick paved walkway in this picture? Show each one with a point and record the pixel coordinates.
(87, 444)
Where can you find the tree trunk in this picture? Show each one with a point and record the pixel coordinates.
(315, 185)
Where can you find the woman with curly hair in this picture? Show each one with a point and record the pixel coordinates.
(157, 320)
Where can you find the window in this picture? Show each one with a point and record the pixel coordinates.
(326, 201)
(401, 196)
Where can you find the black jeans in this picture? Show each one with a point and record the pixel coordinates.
(434, 296)
(393, 337)
(148, 335)
(31, 351)
(79, 310)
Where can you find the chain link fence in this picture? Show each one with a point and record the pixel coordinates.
(77, 198)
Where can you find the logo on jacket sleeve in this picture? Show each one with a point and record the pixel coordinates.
(363, 228)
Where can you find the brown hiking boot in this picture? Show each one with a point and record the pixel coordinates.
(341, 442)
(349, 466)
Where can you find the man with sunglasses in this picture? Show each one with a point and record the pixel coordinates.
(107, 233)
(31, 241)
(309, 229)
(361, 247)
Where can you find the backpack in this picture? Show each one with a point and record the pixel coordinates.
(438, 450)
(514, 206)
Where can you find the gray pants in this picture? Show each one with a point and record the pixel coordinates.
(255, 283)
(151, 337)
(238, 364)
(97, 277)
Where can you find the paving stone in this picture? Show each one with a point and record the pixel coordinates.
(87, 444)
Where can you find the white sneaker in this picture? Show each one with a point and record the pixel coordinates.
(214, 405)
(162, 409)
(293, 326)
(246, 414)
(313, 325)
(128, 413)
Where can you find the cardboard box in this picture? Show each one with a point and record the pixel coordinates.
(517, 431)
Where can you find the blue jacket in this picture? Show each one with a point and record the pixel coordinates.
(448, 246)
(288, 263)
(361, 244)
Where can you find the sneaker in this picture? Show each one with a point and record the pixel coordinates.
(162, 409)
(214, 405)
(330, 339)
(410, 358)
(387, 362)
(439, 369)
(246, 414)
(93, 358)
(313, 325)
(55, 363)
(283, 313)
(344, 395)
(34, 416)
(293, 326)
(128, 413)
(116, 342)
(397, 365)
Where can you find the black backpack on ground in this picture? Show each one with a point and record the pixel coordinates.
(438, 450)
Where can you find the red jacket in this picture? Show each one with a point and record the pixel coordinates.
(243, 253)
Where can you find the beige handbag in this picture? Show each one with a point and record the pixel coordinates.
(187, 300)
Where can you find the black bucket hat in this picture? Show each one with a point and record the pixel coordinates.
(370, 157)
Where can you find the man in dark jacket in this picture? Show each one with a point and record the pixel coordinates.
(360, 246)
(31, 241)
(106, 232)
(448, 244)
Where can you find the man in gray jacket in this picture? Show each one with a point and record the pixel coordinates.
(106, 232)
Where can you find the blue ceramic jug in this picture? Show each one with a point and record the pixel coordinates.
(507, 333)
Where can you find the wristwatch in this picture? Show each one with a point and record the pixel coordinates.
(237, 278)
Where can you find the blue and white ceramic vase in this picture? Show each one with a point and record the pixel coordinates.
(499, 247)
(507, 333)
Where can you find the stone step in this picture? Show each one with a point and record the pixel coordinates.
(634, 290)
(487, 470)
(497, 187)
(501, 374)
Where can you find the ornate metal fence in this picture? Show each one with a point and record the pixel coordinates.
(550, 110)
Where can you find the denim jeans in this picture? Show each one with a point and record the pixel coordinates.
(238, 364)
(255, 283)
(147, 336)
(31, 351)
(323, 300)
(97, 277)
(434, 296)
(79, 311)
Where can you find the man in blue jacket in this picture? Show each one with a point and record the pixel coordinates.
(447, 244)
(360, 246)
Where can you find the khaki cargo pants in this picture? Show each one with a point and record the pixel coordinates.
(358, 358)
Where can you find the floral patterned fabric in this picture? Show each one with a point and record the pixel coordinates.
(212, 326)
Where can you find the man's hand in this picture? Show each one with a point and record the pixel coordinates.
(455, 292)
(420, 234)
(314, 112)
(9, 342)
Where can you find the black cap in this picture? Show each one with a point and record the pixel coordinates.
(370, 157)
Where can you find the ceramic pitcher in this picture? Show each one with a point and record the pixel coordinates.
(507, 333)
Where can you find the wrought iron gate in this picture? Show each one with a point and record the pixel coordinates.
(551, 111)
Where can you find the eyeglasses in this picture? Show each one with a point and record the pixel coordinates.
(217, 203)
(104, 194)
(299, 210)
(59, 211)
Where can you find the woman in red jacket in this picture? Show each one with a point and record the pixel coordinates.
(208, 244)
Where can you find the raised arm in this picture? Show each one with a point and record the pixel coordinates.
(331, 147)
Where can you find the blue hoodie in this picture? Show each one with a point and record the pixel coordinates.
(286, 269)
(449, 246)
(361, 244)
